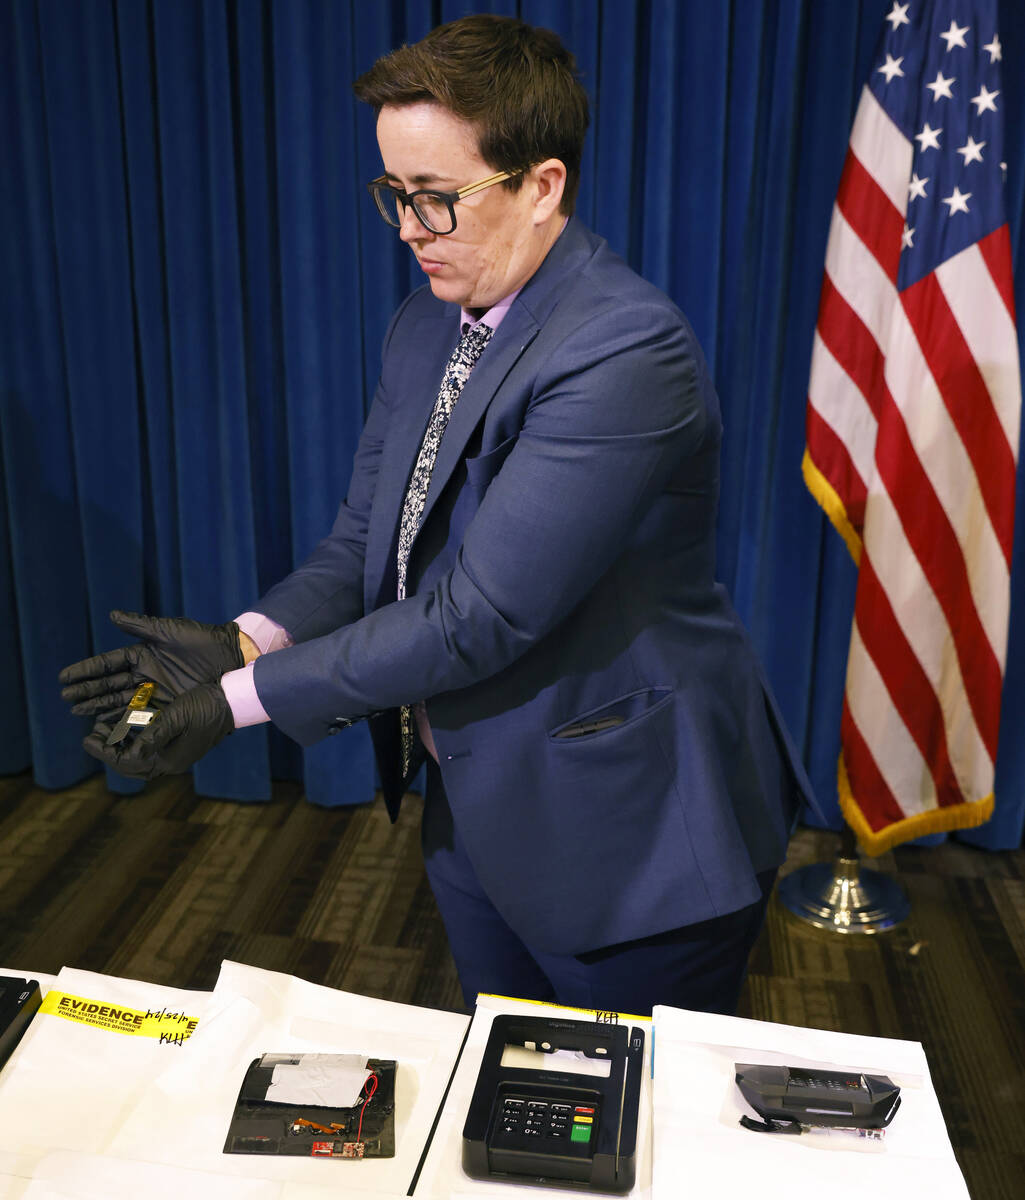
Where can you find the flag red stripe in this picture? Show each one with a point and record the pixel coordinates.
(871, 214)
(909, 686)
(996, 251)
(868, 787)
(968, 401)
(935, 545)
(830, 456)
(851, 343)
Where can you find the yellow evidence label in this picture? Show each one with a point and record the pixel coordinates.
(170, 1027)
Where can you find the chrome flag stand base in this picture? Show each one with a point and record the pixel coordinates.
(842, 896)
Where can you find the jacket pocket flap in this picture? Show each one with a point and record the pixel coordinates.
(622, 711)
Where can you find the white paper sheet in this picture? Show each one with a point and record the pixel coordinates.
(70, 1085)
(253, 1012)
(68, 1176)
(697, 1135)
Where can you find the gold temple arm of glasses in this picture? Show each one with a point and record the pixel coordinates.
(462, 193)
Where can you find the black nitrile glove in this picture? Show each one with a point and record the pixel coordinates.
(190, 726)
(174, 653)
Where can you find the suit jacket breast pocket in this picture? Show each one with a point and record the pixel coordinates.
(481, 470)
(623, 711)
(619, 760)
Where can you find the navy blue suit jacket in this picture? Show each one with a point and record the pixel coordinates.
(563, 573)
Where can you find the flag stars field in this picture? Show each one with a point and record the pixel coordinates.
(955, 36)
(898, 15)
(940, 87)
(958, 201)
(972, 151)
(985, 101)
(929, 138)
(891, 68)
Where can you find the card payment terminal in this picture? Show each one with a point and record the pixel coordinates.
(550, 1126)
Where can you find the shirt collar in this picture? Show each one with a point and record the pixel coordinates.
(493, 317)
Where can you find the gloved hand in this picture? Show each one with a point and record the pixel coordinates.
(190, 726)
(174, 653)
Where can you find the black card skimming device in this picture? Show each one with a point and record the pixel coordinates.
(19, 999)
(787, 1098)
(262, 1125)
(555, 1127)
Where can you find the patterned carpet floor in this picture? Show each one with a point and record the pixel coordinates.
(164, 885)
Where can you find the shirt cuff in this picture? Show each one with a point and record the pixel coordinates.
(267, 634)
(240, 689)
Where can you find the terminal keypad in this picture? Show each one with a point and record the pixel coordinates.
(559, 1126)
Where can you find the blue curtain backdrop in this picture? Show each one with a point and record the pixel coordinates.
(195, 288)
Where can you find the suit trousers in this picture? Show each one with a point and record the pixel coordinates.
(700, 966)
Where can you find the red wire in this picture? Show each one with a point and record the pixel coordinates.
(371, 1083)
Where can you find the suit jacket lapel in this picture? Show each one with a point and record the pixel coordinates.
(425, 354)
(416, 381)
(511, 338)
(519, 328)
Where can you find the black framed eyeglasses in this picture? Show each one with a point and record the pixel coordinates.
(434, 210)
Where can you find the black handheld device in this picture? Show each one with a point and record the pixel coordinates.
(788, 1097)
(19, 999)
(136, 716)
(554, 1127)
(270, 1127)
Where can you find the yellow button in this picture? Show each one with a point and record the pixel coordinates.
(584, 1120)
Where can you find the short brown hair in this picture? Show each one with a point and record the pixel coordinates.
(515, 83)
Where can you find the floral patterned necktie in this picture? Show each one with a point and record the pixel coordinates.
(457, 371)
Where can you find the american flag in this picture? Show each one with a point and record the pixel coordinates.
(914, 403)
